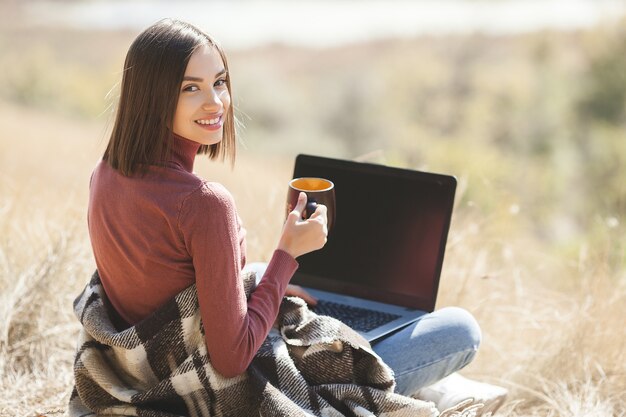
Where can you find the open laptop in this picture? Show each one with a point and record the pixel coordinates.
(380, 268)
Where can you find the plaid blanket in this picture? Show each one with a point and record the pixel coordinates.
(309, 365)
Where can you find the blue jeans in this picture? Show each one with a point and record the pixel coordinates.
(433, 347)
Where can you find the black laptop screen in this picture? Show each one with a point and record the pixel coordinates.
(389, 236)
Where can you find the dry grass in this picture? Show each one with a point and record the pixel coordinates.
(553, 324)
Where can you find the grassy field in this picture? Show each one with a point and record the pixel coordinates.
(553, 327)
(537, 244)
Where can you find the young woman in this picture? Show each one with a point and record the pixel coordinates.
(157, 228)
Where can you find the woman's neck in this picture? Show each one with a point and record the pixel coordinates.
(183, 151)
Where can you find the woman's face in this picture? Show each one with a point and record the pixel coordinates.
(204, 98)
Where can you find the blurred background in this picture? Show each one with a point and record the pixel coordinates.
(523, 101)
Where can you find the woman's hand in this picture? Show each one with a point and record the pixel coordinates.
(303, 236)
(298, 291)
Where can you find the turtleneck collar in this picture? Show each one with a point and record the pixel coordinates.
(183, 151)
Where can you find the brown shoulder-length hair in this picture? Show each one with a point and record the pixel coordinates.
(153, 72)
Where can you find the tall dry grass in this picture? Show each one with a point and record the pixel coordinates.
(553, 325)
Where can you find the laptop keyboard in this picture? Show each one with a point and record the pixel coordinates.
(359, 319)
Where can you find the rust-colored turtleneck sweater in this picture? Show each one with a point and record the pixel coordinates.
(155, 234)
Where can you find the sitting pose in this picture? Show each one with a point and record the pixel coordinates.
(156, 229)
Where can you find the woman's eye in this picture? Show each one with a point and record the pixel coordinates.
(220, 82)
(191, 88)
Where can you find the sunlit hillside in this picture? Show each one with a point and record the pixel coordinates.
(533, 127)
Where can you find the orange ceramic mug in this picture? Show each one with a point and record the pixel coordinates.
(318, 191)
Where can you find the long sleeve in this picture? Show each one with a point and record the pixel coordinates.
(234, 327)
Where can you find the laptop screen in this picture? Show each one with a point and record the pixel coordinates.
(389, 236)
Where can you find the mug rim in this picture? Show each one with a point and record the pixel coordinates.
(331, 185)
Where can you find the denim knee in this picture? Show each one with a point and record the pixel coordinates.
(462, 325)
(439, 344)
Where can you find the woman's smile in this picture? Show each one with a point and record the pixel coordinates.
(213, 123)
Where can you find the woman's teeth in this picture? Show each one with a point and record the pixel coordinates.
(208, 121)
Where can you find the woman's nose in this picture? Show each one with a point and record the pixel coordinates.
(212, 100)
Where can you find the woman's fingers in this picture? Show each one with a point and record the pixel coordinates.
(320, 215)
(304, 236)
(298, 291)
(296, 213)
(321, 210)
